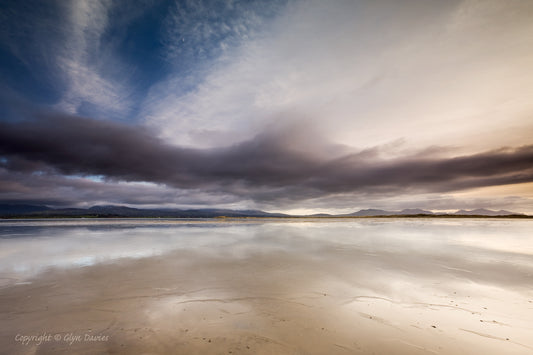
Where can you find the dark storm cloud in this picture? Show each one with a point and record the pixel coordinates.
(266, 168)
(60, 191)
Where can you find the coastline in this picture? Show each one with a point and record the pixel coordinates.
(246, 287)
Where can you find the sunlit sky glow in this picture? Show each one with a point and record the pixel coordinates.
(284, 105)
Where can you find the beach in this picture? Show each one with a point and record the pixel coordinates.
(312, 286)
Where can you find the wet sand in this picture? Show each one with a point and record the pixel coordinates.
(383, 287)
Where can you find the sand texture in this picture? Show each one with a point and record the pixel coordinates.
(371, 287)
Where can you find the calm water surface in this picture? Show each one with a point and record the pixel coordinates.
(277, 286)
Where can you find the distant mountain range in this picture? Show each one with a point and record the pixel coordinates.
(484, 212)
(417, 211)
(374, 212)
(38, 211)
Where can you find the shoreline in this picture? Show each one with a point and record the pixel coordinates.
(421, 216)
(245, 287)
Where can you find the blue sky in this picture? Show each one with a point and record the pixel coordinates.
(100, 58)
(253, 101)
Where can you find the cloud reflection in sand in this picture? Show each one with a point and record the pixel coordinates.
(314, 286)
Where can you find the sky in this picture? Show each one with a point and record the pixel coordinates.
(298, 106)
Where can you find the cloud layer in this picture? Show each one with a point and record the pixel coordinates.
(270, 167)
(274, 104)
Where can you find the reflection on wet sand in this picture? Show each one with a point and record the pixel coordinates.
(312, 287)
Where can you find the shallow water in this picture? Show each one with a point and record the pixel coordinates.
(302, 286)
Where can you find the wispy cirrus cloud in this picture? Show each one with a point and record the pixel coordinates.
(85, 62)
(367, 73)
(59, 46)
(268, 103)
(194, 103)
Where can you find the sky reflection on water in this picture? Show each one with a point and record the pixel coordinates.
(383, 285)
(487, 250)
